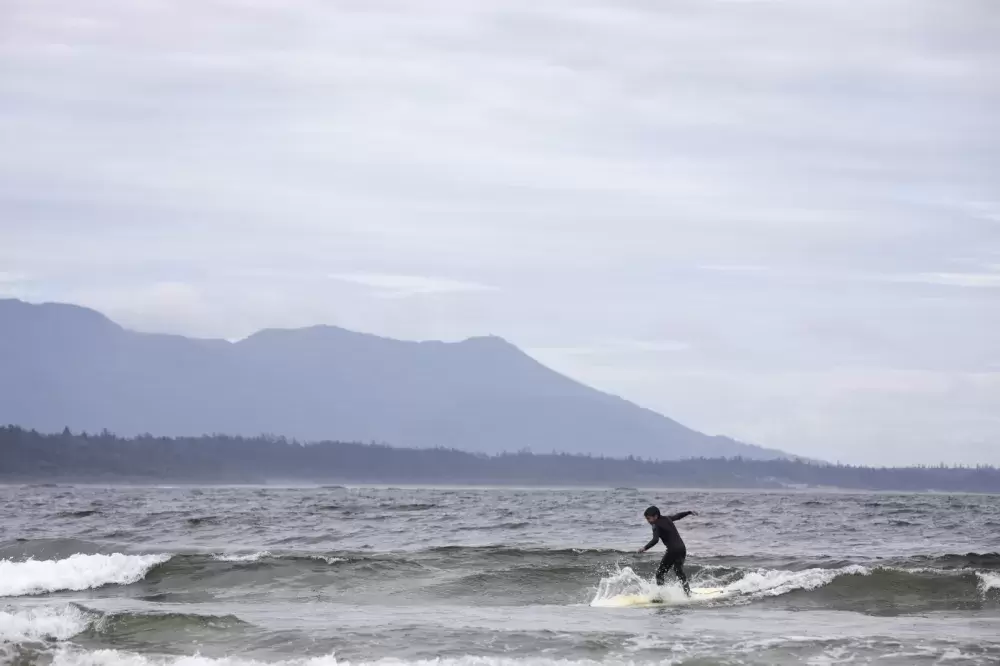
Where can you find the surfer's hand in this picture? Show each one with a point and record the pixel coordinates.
(641, 550)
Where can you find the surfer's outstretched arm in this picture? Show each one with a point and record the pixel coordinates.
(656, 537)
(682, 514)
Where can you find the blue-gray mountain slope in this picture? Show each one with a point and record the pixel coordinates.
(64, 365)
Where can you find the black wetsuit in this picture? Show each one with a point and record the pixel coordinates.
(664, 530)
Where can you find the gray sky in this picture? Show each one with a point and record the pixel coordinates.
(771, 219)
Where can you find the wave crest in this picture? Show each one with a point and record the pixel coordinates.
(42, 624)
(77, 572)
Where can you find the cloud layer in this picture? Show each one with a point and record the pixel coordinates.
(776, 220)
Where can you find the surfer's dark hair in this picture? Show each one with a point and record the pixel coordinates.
(652, 512)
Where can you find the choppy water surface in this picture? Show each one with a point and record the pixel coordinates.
(318, 576)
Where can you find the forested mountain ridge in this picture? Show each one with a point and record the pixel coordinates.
(32, 457)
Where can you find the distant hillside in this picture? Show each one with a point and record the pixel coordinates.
(32, 457)
(69, 366)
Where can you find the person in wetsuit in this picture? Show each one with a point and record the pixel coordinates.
(665, 531)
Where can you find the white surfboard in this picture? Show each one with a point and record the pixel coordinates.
(650, 601)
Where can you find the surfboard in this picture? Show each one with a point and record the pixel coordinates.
(648, 601)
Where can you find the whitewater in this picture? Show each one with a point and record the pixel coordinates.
(310, 576)
(76, 572)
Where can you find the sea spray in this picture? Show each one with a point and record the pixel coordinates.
(625, 584)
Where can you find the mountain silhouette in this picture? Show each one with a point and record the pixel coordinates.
(68, 366)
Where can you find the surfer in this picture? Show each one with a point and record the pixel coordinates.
(664, 530)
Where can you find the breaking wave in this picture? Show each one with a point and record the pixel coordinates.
(62, 623)
(836, 588)
(77, 572)
(42, 624)
(771, 583)
(516, 575)
(625, 587)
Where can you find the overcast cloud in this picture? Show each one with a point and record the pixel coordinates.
(775, 220)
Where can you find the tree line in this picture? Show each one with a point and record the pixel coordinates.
(31, 456)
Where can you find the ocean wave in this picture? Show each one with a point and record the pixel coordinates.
(134, 624)
(77, 572)
(885, 589)
(62, 623)
(905, 585)
(43, 624)
(956, 561)
(773, 583)
(625, 587)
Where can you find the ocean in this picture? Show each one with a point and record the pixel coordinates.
(317, 576)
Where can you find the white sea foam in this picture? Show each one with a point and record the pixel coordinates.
(328, 560)
(837, 654)
(772, 583)
(69, 657)
(625, 587)
(988, 581)
(252, 557)
(116, 658)
(256, 557)
(46, 623)
(77, 572)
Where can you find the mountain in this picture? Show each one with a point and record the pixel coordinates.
(64, 365)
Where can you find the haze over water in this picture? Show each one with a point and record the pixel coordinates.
(237, 575)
